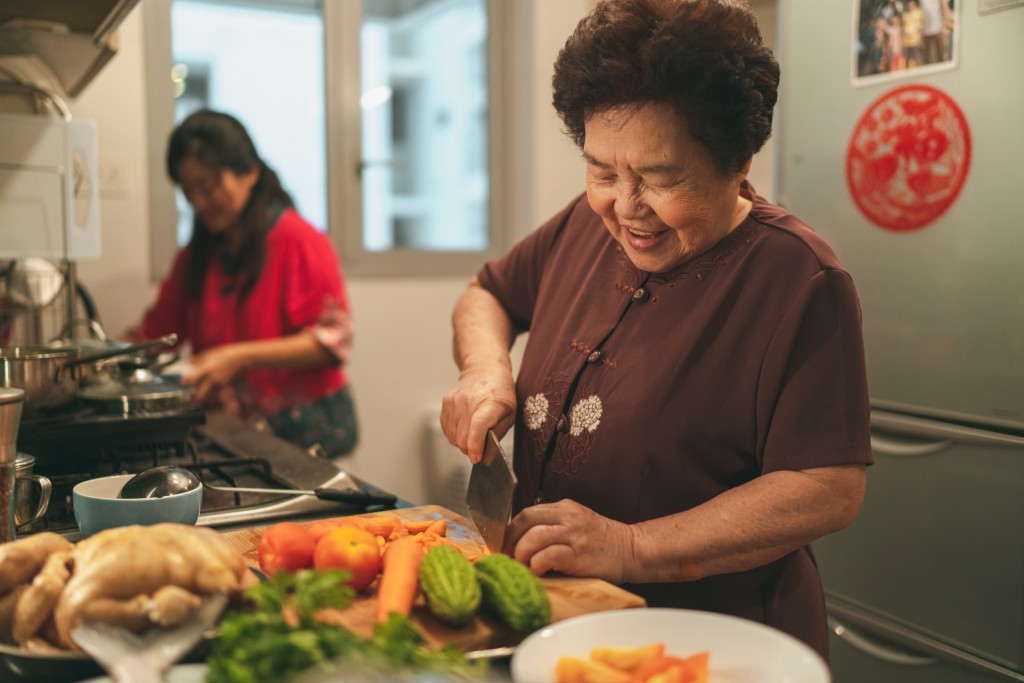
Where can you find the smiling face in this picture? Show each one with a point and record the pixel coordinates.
(657, 190)
(218, 197)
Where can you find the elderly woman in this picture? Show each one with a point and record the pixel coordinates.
(691, 408)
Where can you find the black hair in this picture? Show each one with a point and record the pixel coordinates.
(705, 58)
(220, 142)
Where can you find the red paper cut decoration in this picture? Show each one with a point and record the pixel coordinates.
(908, 157)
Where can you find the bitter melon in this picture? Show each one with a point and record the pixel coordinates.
(450, 585)
(513, 592)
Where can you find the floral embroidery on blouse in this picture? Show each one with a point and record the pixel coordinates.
(536, 411)
(585, 416)
(572, 453)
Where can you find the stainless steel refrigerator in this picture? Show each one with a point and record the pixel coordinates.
(914, 172)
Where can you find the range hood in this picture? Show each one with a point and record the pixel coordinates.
(65, 42)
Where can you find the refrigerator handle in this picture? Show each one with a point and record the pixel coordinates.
(876, 650)
(939, 435)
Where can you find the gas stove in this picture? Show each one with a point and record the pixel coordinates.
(78, 444)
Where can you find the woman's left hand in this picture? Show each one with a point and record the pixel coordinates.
(569, 538)
(215, 368)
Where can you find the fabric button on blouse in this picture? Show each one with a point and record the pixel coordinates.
(640, 294)
(594, 357)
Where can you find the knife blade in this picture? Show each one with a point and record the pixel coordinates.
(489, 494)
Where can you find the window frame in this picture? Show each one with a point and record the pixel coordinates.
(342, 20)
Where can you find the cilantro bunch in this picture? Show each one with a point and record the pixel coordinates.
(280, 637)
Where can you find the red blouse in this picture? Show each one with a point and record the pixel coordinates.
(300, 283)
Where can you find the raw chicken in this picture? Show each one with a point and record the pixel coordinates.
(124, 563)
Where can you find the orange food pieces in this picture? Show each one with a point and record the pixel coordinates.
(286, 546)
(628, 658)
(352, 549)
(643, 664)
(576, 670)
(669, 669)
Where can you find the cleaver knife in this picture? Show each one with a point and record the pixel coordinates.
(489, 495)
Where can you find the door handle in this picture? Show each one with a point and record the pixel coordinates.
(869, 647)
(938, 435)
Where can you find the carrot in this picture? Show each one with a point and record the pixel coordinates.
(439, 527)
(419, 525)
(399, 578)
(383, 526)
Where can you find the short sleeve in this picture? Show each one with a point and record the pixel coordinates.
(813, 407)
(312, 280)
(169, 313)
(515, 279)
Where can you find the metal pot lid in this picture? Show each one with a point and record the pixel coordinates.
(38, 352)
(88, 346)
(134, 391)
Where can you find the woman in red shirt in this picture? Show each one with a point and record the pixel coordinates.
(258, 292)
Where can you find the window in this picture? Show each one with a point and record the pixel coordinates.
(377, 114)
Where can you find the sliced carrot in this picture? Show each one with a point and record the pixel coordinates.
(691, 669)
(628, 658)
(673, 674)
(569, 670)
(383, 526)
(439, 527)
(399, 578)
(593, 671)
(418, 525)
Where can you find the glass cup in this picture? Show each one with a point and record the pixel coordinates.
(7, 530)
(31, 493)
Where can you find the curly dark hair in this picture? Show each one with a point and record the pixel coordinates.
(220, 142)
(705, 58)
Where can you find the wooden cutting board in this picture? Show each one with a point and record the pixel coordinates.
(569, 596)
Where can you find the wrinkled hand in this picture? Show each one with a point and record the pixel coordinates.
(569, 538)
(214, 369)
(481, 400)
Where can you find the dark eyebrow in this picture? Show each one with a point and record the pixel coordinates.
(653, 169)
(591, 161)
(656, 169)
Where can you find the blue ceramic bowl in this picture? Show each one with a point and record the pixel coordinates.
(97, 506)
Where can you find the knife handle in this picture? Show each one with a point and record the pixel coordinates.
(355, 497)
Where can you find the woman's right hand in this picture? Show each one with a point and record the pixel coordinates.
(482, 399)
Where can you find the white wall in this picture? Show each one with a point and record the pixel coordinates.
(402, 361)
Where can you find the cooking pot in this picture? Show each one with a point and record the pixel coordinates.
(50, 376)
(38, 370)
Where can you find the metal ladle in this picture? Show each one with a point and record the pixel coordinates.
(167, 480)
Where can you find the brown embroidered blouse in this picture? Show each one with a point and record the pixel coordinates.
(645, 394)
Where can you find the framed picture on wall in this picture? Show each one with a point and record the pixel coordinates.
(899, 38)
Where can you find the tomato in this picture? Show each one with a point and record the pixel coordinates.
(349, 548)
(320, 528)
(286, 546)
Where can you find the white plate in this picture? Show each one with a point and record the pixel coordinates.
(183, 673)
(740, 651)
